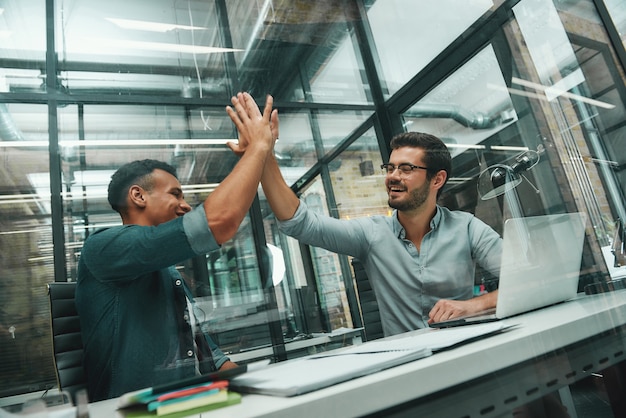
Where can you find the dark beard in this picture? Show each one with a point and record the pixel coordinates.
(416, 199)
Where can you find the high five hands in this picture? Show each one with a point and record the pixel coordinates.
(252, 125)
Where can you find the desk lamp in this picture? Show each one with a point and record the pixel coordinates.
(498, 179)
(501, 179)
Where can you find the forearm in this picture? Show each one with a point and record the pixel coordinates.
(229, 203)
(281, 198)
(446, 309)
(486, 301)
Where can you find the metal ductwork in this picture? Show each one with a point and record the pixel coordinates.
(469, 119)
(8, 130)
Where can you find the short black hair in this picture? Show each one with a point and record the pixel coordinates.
(136, 172)
(437, 155)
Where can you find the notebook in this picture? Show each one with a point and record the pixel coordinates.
(540, 266)
(317, 371)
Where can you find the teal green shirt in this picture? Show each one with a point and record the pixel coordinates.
(133, 309)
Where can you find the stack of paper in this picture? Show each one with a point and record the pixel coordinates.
(306, 374)
(180, 402)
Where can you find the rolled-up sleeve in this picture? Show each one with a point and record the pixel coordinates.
(198, 233)
(219, 358)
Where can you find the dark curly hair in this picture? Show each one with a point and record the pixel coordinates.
(136, 172)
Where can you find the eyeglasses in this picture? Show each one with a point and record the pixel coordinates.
(405, 168)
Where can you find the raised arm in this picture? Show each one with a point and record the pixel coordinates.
(281, 198)
(229, 203)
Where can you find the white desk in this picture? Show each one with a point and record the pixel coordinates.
(319, 342)
(550, 349)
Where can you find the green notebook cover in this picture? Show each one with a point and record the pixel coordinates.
(232, 399)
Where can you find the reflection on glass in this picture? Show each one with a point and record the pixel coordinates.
(298, 149)
(230, 295)
(295, 150)
(409, 34)
(468, 107)
(26, 258)
(331, 288)
(303, 52)
(358, 183)
(16, 43)
(618, 14)
(341, 78)
(567, 74)
(175, 48)
(547, 41)
(296, 298)
(336, 126)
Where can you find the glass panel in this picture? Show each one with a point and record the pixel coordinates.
(553, 113)
(23, 51)
(303, 52)
(236, 312)
(577, 78)
(327, 268)
(470, 106)
(335, 126)
(297, 151)
(325, 300)
(297, 300)
(409, 34)
(166, 48)
(358, 182)
(26, 260)
(333, 311)
(17, 43)
(618, 15)
(341, 78)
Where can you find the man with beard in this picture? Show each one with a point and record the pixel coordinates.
(421, 260)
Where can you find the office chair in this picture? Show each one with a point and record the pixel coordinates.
(66, 338)
(369, 305)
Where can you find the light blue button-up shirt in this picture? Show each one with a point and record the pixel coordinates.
(407, 282)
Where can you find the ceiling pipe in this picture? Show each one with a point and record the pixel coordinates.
(8, 130)
(474, 120)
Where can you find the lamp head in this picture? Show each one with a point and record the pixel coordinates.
(499, 178)
(496, 180)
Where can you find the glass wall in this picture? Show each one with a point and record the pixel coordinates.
(26, 242)
(97, 84)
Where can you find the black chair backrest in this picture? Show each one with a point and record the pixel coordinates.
(66, 338)
(369, 305)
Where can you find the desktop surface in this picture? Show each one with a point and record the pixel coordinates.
(587, 330)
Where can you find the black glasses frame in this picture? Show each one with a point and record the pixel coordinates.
(405, 168)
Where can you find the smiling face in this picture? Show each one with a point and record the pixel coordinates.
(162, 200)
(408, 192)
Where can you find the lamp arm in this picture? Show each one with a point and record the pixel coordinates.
(531, 184)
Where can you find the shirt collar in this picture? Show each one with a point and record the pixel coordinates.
(398, 229)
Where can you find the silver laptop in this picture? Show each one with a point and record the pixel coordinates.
(540, 266)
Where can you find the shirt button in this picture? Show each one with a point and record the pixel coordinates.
(186, 317)
(190, 353)
(177, 282)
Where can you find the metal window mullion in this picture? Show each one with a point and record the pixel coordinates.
(56, 201)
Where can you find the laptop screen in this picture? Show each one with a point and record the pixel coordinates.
(541, 258)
